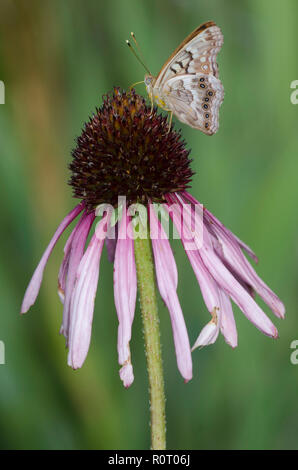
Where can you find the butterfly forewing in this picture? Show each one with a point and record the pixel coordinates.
(189, 75)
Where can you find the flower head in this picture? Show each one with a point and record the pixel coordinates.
(126, 149)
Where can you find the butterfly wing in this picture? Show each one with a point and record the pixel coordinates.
(188, 83)
(195, 100)
(196, 54)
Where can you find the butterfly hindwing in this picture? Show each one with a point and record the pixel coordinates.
(195, 100)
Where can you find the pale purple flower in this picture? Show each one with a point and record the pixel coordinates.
(222, 271)
(127, 150)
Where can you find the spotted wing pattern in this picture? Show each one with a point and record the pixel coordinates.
(188, 83)
(195, 100)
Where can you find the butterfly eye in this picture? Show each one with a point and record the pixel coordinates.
(207, 99)
(202, 85)
(210, 93)
(202, 79)
(205, 106)
(206, 115)
(148, 80)
(206, 125)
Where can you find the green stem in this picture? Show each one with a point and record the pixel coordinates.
(147, 292)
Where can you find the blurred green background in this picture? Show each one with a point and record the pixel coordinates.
(57, 58)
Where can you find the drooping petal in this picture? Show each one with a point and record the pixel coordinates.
(111, 243)
(64, 267)
(82, 302)
(208, 335)
(126, 374)
(228, 325)
(214, 297)
(34, 285)
(238, 294)
(167, 280)
(216, 300)
(217, 246)
(75, 250)
(226, 281)
(245, 247)
(235, 258)
(235, 289)
(232, 236)
(125, 291)
(208, 286)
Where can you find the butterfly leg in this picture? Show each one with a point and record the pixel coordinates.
(170, 120)
(134, 84)
(152, 103)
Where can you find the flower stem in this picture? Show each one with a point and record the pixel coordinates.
(147, 292)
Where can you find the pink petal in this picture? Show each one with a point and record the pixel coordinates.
(63, 268)
(217, 246)
(208, 286)
(245, 247)
(189, 221)
(125, 291)
(82, 302)
(207, 336)
(167, 280)
(232, 236)
(126, 375)
(214, 297)
(235, 258)
(75, 255)
(34, 285)
(228, 325)
(240, 296)
(111, 243)
(226, 281)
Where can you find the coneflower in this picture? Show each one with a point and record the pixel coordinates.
(127, 153)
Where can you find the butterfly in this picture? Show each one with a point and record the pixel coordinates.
(188, 85)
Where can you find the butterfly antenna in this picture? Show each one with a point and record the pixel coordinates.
(136, 55)
(137, 45)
